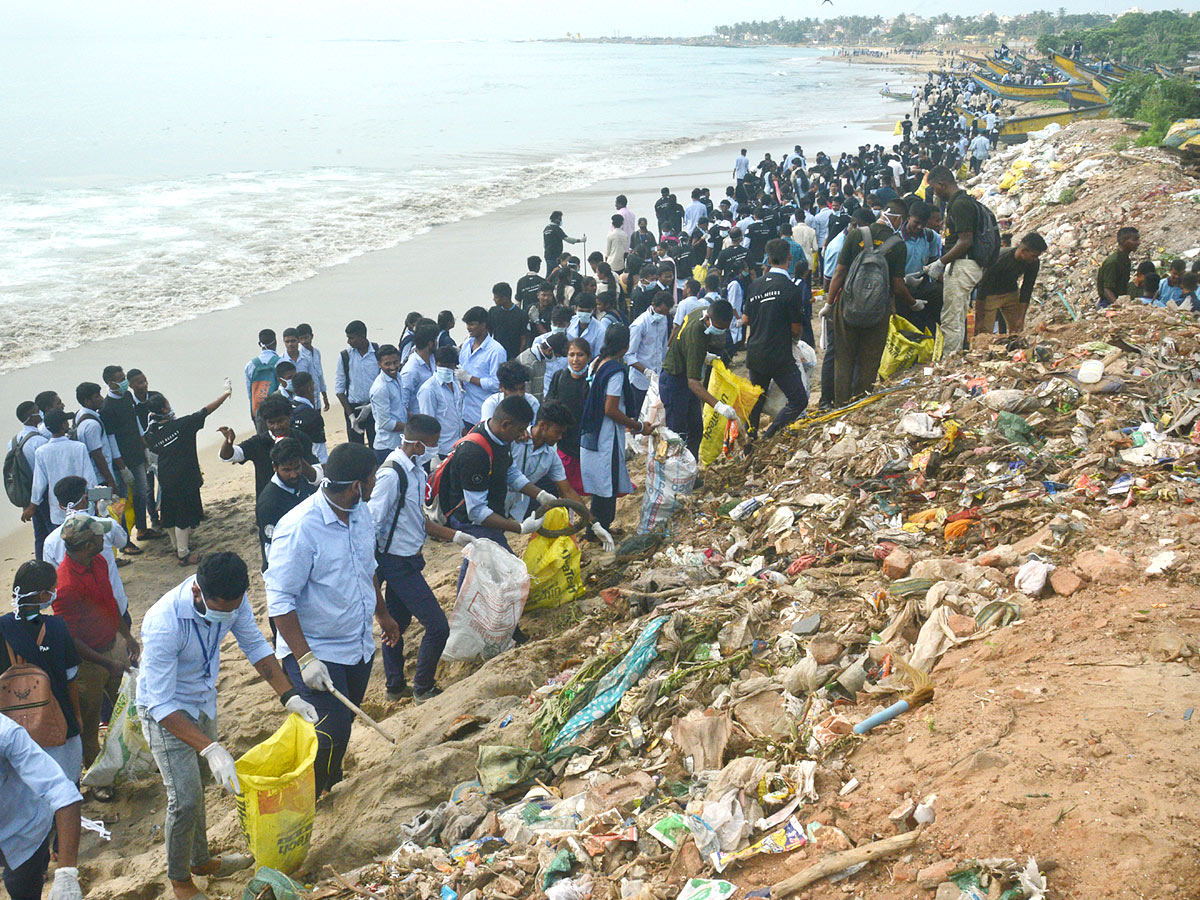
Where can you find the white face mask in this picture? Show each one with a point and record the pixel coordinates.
(585, 318)
(30, 612)
(554, 329)
(444, 374)
(655, 318)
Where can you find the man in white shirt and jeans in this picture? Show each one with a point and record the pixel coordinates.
(55, 460)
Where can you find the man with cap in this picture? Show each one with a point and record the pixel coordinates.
(102, 638)
(177, 699)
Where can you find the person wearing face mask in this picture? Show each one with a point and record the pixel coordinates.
(559, 319)
(701, 337)
(441, 397)
(322, 598)
(177, 700)
(397, 508)
(387, 402)
(32, 635)
(570, 387)
(71, 496)
(276, 413)
(283, 492)
(647, 346)
(120, 420)
(537, 360)
(174, 440)
(584, 323)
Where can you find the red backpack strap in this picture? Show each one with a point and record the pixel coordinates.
(434, 484)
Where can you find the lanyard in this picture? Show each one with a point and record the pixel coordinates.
(208, 653)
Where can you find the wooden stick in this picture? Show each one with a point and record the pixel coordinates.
(838, 862)
(348, 886)
(362, 715)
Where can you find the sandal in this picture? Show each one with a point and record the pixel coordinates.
(131, 549)
(102, 794)
(150, 534)
(190, 560)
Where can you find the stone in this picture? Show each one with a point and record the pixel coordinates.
(948, 890)
(1065, 582)
(825, 650)
(998, 557)
(1104, 566)
(808, 625)
(897, 564)
(904, 872)
(1033, 542)
(931, 876)
(962, 626)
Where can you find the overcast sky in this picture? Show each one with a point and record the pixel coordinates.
(446, 19)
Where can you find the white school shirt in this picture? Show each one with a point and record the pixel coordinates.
(364, 368)
(489, 406)
(312, 359)
(55, 460)
(483, 362)
(409, 536)
(444, 402)
(647, 345)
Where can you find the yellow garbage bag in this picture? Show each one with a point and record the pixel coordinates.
(278, 798)
(906, 346)
(729, 388)
(553, 564)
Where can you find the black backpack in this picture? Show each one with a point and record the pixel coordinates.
(18, 474)
(985, 249)
(401, 496)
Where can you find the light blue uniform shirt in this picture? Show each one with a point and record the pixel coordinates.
(830, 257)
(482, 362)
(32, 788)
(362, 370)
(592, 332)
(444, 402)
(387, 405)
(920, 251)
(1167, 292)
(181, 654)
(414, 374)
(647, 345)
(488, 409)
(324, 571)
(409, 536)
(312, 360)
(553, 365)
(535, 464)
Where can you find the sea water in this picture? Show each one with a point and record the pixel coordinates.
(147, 182)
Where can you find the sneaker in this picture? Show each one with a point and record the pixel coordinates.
(422, 696)
(397, 695)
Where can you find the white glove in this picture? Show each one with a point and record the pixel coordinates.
(710, 358)
(544, 497)
(302, 708)
(66, 884)
(583, 238)
(532, 524)
(314, 673)
(463, 539)
(228, 386)
(911, 281)
(724, 409)
(223, 767)
(462, 375)
(935, 269)
(826, 310)
(919, 304)
(606, 539)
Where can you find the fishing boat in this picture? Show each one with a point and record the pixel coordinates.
(894, 95)
(1077, 70)
(1013, 131)
(1021, 91)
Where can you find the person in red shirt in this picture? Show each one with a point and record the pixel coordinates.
(86, 604)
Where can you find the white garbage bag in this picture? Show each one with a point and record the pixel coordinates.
(489, 603)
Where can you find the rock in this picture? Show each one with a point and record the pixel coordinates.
(824, 649)
(1104, 566)
(904, 872)
(1112, 519)
(931, 876)
(1186, 518)
(1031, 543)
(808, 625)
(962, 626)
(948, 890)
(897, 564)
(998, 557)
(1065, 582)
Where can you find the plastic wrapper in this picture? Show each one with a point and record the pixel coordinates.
(782, 840)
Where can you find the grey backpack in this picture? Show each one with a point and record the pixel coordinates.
(867, 295)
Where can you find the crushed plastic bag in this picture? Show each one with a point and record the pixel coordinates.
(706, 889)
(670, 474)
(806, 361)
(489, 604)
(501, 766)
(729, 388)
(908, 346)
(553, 564)
(278, 799)
(1031, 577)
(126, 755)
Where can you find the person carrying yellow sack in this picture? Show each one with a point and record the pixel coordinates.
(702, 336)
(177, 699)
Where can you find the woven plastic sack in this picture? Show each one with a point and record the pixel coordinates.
(125, 755)
(489, 603)
(729, 388)
(553, 564)
(906, 346)
(278, 799)
(670, 475)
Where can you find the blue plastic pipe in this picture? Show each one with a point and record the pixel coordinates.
(884, 715)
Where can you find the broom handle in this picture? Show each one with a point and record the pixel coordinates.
(885, 715)
(345, 701)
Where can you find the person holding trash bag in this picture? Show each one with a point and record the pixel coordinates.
(177, 699)
(322, 596)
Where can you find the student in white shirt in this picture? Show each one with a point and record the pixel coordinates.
(538, 359)
(387, 403)
(513, 378)
(479, 359)
(29, 438)
(312, 357)
(90, 431)
(441, 398)
(418, 368)
(55, 460)
(584, 323)
(647, 346)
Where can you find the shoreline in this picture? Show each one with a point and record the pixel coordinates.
(451, 266)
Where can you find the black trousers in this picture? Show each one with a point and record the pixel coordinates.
(355, 437)
(792, 384)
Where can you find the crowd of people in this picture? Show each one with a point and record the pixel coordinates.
(553, 382)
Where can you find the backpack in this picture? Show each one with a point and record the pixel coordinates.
(986, 248)
(262, 381)
(73, 434)
(346, 365)
(401, 496)
(866, 299)
(18, 474)
(27, 698)
(434, 485)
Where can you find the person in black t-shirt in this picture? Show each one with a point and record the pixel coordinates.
(286, 488)
(507, 322)
(276, 413)
(733, 258)
(662, 211)
(529, 284)
(776, 313)
(759, 232)
(306, 415)
(552, 240)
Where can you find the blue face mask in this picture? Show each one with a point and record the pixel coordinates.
(714, 330)
(123, 386)
(214, 616)
(585, 318)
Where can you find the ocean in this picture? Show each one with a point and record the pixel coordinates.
(145, 183)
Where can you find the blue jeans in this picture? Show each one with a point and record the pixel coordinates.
(792, 384)
(333, 727)
(684, 410)
(186, 830)
(407, 595)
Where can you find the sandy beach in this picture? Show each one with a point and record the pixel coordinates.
(449, 267)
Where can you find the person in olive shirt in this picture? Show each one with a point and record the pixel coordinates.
(961, 272)
(997, 291)
(681, 384)
(858, 350)
(1112, 278)
(777, 312)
